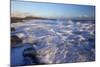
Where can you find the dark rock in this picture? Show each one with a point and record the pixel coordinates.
(15, 41)
(30, 56)
(12, 29)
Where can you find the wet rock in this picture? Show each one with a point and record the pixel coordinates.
(30, 56)
(12, 29)
(15, 41)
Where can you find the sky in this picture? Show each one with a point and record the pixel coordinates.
(52, 9)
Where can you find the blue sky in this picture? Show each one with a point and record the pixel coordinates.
(52, 10)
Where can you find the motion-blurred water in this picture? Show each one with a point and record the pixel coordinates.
(58, 41)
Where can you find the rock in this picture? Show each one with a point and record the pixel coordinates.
(30, 56)
(15, 41)
(12, 29)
